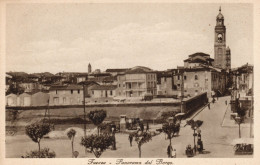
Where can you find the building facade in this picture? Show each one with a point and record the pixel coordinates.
(137, 82)
(66, 95)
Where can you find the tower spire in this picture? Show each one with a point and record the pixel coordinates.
(219, 9)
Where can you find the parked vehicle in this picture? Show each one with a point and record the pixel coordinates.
(243, 146)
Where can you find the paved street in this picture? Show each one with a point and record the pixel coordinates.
(216, 139)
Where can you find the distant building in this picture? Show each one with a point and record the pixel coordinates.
(103, 93)
(89, 68)
(30, 86)
(34, 77)
(115, 72)
(198, 59)
(137, 82)
(11, 100)
(25, 99)
(66, 95)
(165, 84)
(81, 77)
(242, 89)
(40, 99)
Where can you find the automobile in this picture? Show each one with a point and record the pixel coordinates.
(243, 146)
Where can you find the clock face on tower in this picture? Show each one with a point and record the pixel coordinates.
(220, 37)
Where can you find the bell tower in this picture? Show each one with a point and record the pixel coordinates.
(220, 53)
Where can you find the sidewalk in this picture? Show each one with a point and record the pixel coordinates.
(228, 122)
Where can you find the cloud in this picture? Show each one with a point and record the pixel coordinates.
(156, 46)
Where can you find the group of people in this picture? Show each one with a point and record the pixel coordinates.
(171, 152)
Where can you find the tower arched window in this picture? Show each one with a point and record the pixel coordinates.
(219, 51)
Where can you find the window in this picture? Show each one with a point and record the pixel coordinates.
(71, 91)
(56, 91)
(185, 77)
(111, 93)
(196, 90)
(64, 100)
(196, 77)
(164, 79)
(119, 85)
(219, 51)
(178, 77)
(78, 91)
(92, 92)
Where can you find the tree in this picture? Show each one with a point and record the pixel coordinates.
(97, 144)
(36, 131)
(166, 115)
(142, 138)
(97, 117)
(194, 125)
(240, 119)
(71, 134)
(169, 130)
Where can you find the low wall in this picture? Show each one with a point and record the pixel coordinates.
(145, 104)
(194, 103)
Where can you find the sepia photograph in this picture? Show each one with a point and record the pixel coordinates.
(129, 80)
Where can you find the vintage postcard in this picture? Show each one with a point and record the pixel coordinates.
(129, 82)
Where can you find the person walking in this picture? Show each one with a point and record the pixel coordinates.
(169, 151)
(209, 105)
(130, 139)
(174, 154)
(147, 126)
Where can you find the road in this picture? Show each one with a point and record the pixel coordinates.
(216, 139)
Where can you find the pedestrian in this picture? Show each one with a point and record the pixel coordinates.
(209, 105)
(147, 126)
(169, 151)
(174, 154)
(226, 102)
(141, 126)
(130, 139)
(213, 101)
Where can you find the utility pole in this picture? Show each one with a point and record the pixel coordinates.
(182, 92)
(251, 109)
(84, 104)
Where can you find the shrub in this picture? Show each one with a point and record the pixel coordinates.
(97, 143)
(44, 153)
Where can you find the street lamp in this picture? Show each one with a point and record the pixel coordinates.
(194, 135)
(239, 121)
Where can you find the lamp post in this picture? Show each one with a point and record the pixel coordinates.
(239, 121)
(194, 135)
(199, 135)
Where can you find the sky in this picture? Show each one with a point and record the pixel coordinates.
(67, 37)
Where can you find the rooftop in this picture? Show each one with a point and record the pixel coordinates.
(66, 87)
(104, 87)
